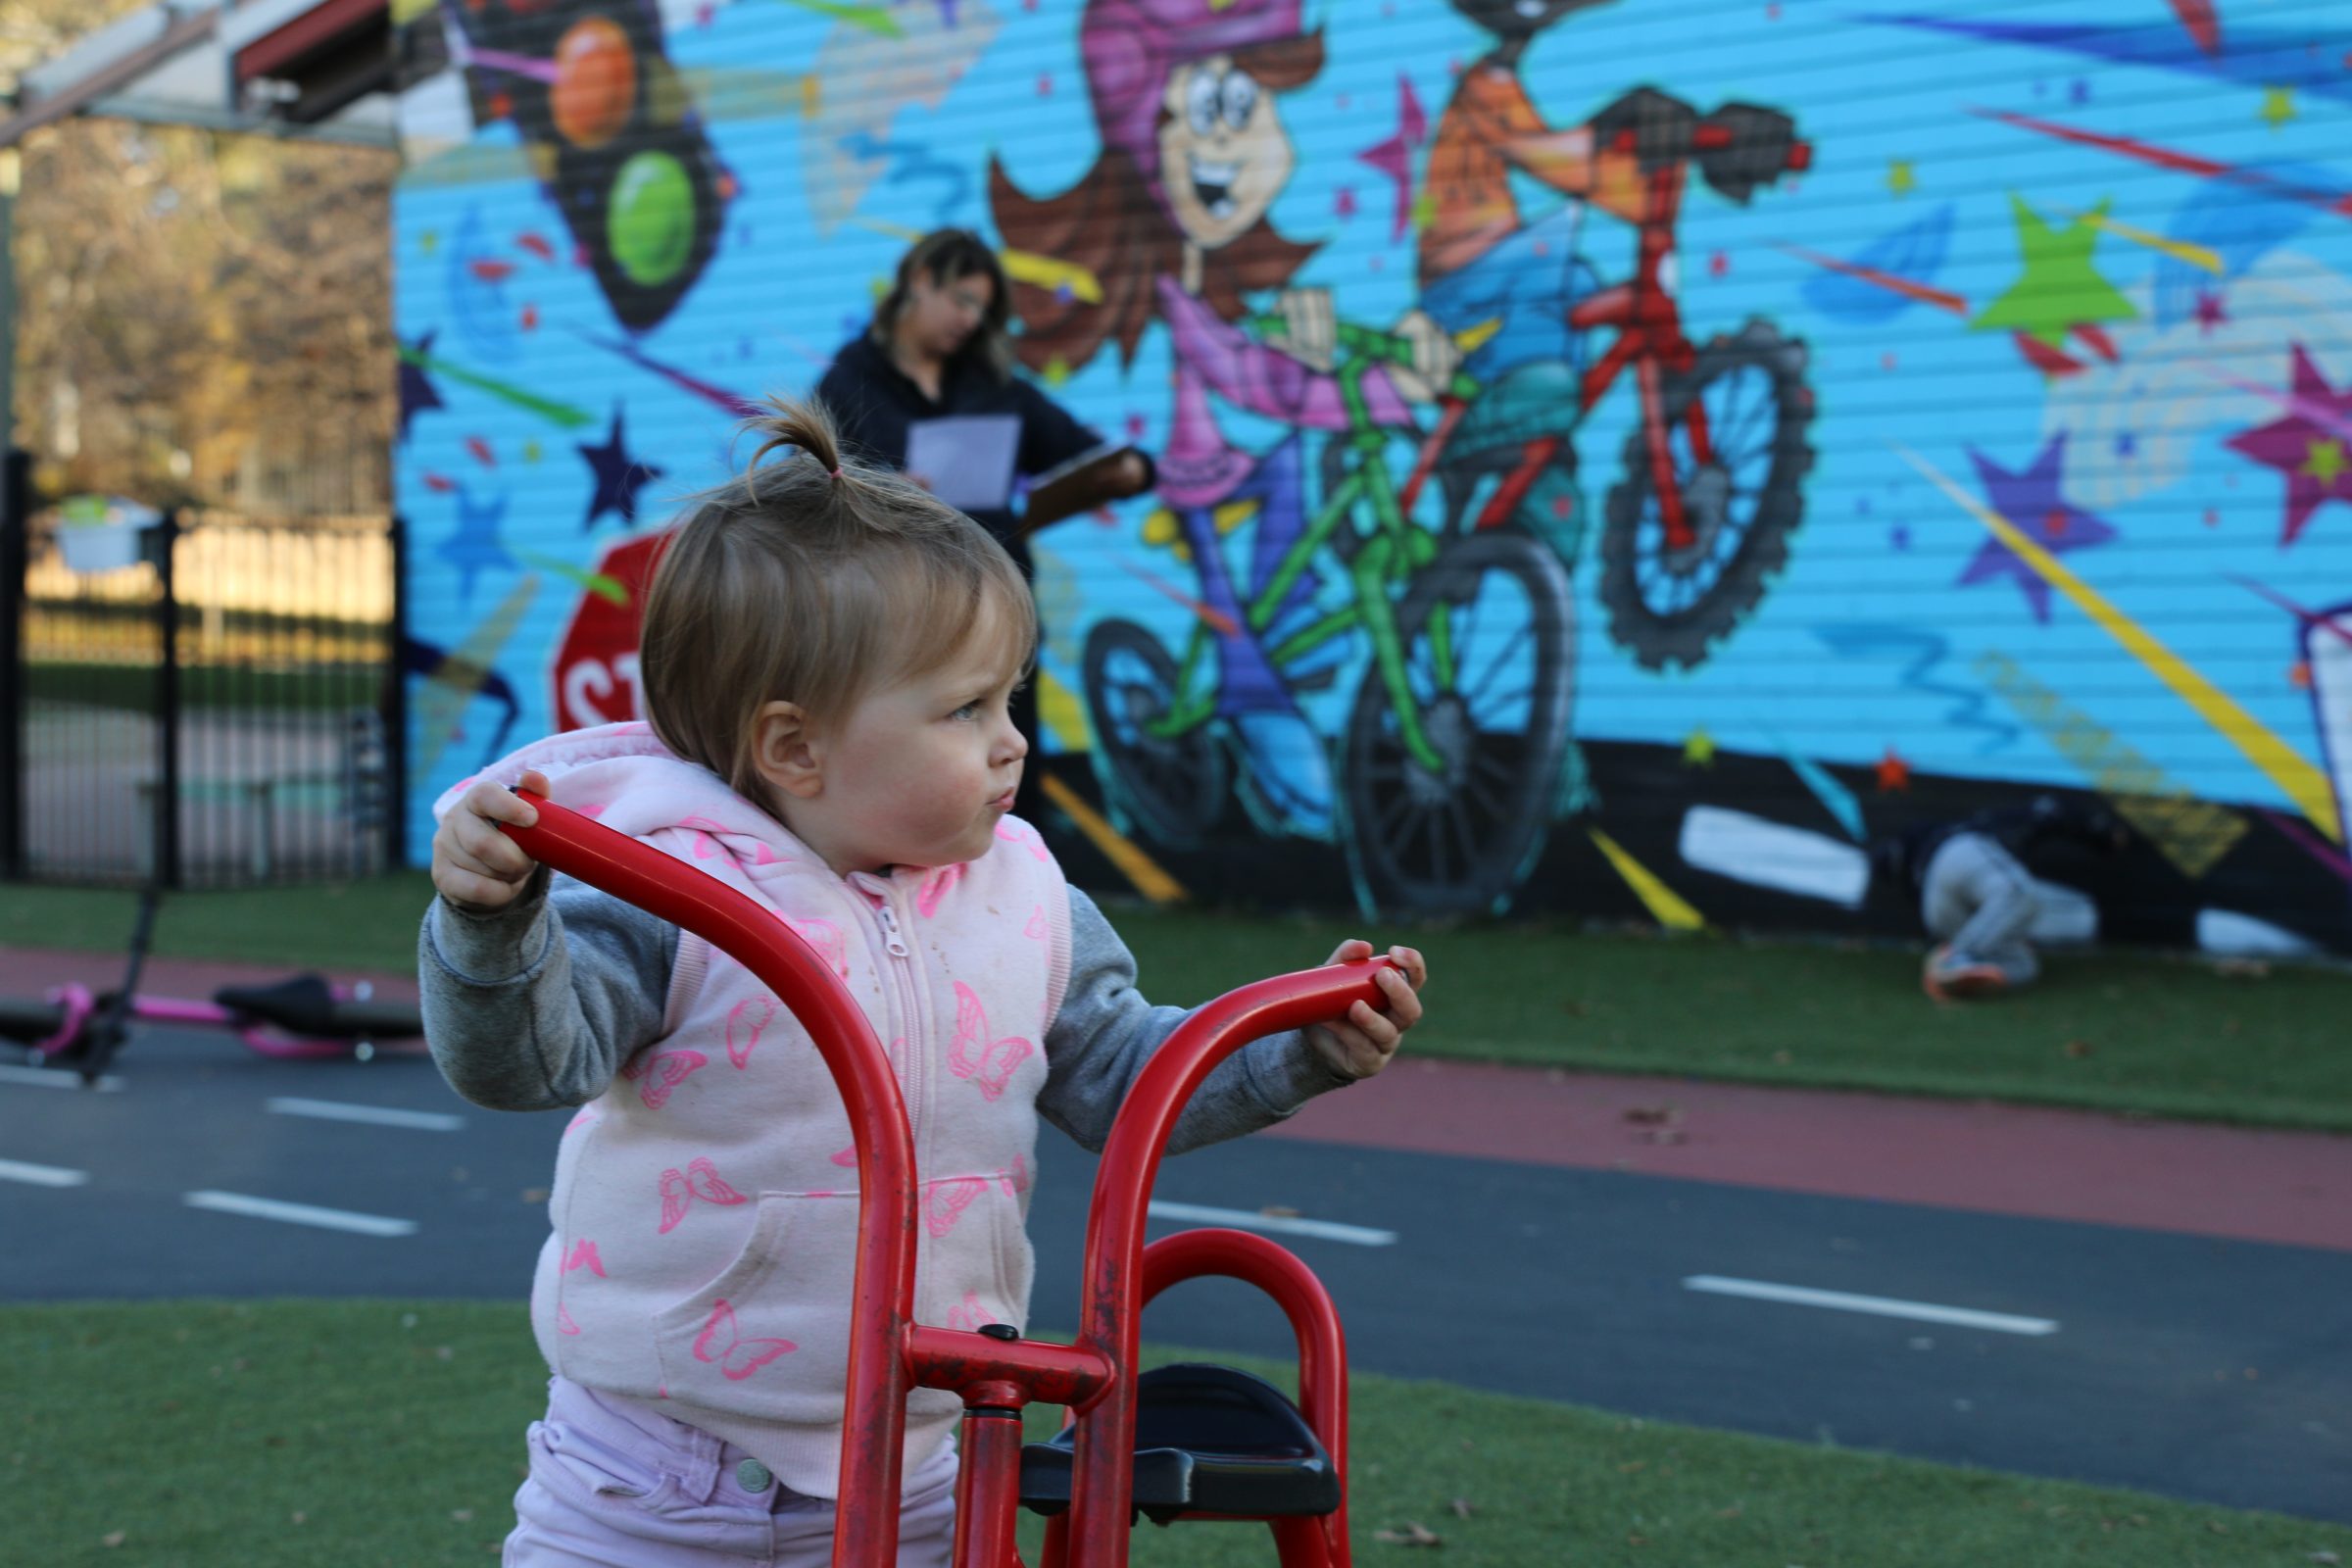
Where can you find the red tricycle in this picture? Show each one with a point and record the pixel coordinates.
(1175, 1443)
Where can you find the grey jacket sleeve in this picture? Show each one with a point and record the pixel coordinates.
(538, 1005)
(1107, 1031)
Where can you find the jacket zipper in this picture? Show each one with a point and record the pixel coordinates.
(913, 1056)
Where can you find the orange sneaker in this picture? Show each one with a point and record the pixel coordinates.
(1946, 978)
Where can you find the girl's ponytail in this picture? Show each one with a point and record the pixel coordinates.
(802, 424)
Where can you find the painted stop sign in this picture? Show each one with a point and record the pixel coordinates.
(596, 662)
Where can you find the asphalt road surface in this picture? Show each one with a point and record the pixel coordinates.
(2197, 1366)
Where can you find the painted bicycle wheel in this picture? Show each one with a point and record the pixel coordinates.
(1487, 632)
(1169, 787)
(1669, 605)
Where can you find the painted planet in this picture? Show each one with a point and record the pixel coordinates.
(595, 90)
(649, 218)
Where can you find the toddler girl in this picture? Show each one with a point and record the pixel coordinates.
(829, 654)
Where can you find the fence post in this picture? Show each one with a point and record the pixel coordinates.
(396, 705)
(16, 554)
(167, 696)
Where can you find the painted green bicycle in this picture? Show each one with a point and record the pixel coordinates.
(1442, 780)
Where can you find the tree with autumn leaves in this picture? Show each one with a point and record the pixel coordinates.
(202, 318)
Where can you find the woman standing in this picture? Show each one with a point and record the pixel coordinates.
(938, 350)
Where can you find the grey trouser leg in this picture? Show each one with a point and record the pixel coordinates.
(1978, 898)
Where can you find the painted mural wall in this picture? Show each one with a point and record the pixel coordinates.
(1620, 457)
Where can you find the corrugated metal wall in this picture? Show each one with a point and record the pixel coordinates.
(1863, 416)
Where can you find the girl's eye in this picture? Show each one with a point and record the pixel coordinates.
(1241, 98)
(1201, 102)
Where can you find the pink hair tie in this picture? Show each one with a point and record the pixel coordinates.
(836, 473)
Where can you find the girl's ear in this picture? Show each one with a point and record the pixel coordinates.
(784, 749)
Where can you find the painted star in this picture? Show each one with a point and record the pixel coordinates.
(1895, 774)
(2307, 446)
(618, 476)
(2212, 312)
(2060, 290)
(2033, 503)
(1395, 156)
(2278, 106)
(475, 546)
(417, 392)
(1698, 751)
(1900, 179)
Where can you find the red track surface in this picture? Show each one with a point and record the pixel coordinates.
(2288, 1187)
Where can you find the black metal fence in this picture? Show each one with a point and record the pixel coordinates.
(217, 714)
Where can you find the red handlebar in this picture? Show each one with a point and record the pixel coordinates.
(886, 1349)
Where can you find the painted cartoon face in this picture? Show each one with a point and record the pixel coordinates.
(1519, 19)
(1223, 154)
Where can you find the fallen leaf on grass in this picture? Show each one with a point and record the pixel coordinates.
(2078, 1049)
(1412, 1535)
(2326, 1558)
(1461, 1507)
(113, 1538)
(460, 1514)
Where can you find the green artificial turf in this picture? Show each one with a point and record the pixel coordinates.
(2120, 1031)
(375, 1434)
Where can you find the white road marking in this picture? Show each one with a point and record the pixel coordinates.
(1877, 1305)
(1283, 1224)
(429, 1121)
(56, 1078)
(331, 1219)
(17, 1170)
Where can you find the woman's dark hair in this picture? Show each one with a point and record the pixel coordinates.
(940, 258)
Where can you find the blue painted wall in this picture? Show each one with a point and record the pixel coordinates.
(2028, 374)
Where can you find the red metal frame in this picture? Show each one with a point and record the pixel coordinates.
(889, 1353)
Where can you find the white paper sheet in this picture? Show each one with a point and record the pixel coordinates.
(966, 460)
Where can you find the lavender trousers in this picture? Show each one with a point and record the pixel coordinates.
(613, 1483)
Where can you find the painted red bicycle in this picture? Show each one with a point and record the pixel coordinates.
(1174, 1442)
(1712, 481)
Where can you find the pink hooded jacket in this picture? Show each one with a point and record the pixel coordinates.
(703, 1209)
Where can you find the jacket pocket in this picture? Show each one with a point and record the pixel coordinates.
(976, 1264)
(770, 1332)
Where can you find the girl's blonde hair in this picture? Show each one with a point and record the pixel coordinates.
(811, 580)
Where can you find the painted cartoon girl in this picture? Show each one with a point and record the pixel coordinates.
(1172, 222)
